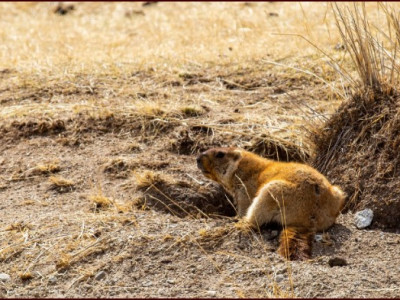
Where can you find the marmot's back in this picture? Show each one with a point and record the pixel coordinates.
(313, 200)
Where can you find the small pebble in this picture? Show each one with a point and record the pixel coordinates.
(171, 281)
(52, 279)
(318, 238)
(100, 275)
(279, 278)
(211, 293)
(363, 218)
(4, 277)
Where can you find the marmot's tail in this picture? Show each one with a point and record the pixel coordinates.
(296, 243)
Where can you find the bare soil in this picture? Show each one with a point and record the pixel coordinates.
(162, 230)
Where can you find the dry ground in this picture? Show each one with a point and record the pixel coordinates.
(103, 110)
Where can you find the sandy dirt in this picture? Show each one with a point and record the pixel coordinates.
(100, 195)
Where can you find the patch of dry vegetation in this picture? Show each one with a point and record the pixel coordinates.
(46, 168)
(61, 184)
(136, 92)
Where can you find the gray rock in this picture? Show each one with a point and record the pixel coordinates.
(363, 218)
(100, 275)
(52, 279)
(318, 238)
(4, 277)
(279, 278)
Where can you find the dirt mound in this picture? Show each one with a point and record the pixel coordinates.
(358, 149)
(81, 124)
(196, 139)
(277, 149)
(36, 127)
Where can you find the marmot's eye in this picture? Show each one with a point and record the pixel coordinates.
(220, 154)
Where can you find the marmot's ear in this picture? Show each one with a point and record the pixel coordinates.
(237, 154)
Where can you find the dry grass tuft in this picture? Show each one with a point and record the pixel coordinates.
(63, 261)
(376, 63)
(100, 201)
(148, 178)
(47, 168)
(61, 184)
(25, 276)
(215, 233)
(19, 226)
(243, 226)
(192, 111)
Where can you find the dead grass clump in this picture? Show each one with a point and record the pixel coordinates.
(358, 147)
(192, 111)
(61, 184)
(213, 238)
(63, 261)
(47, 168)
(100, 202)
(24, 276)
(19, 226)
(164, 193)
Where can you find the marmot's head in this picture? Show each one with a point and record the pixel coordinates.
(219, 164)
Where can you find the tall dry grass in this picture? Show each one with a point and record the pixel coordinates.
(372, 46)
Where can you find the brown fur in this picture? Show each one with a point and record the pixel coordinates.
(296, 243)
(292, 194)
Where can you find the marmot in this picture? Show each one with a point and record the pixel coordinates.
(292, 194)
